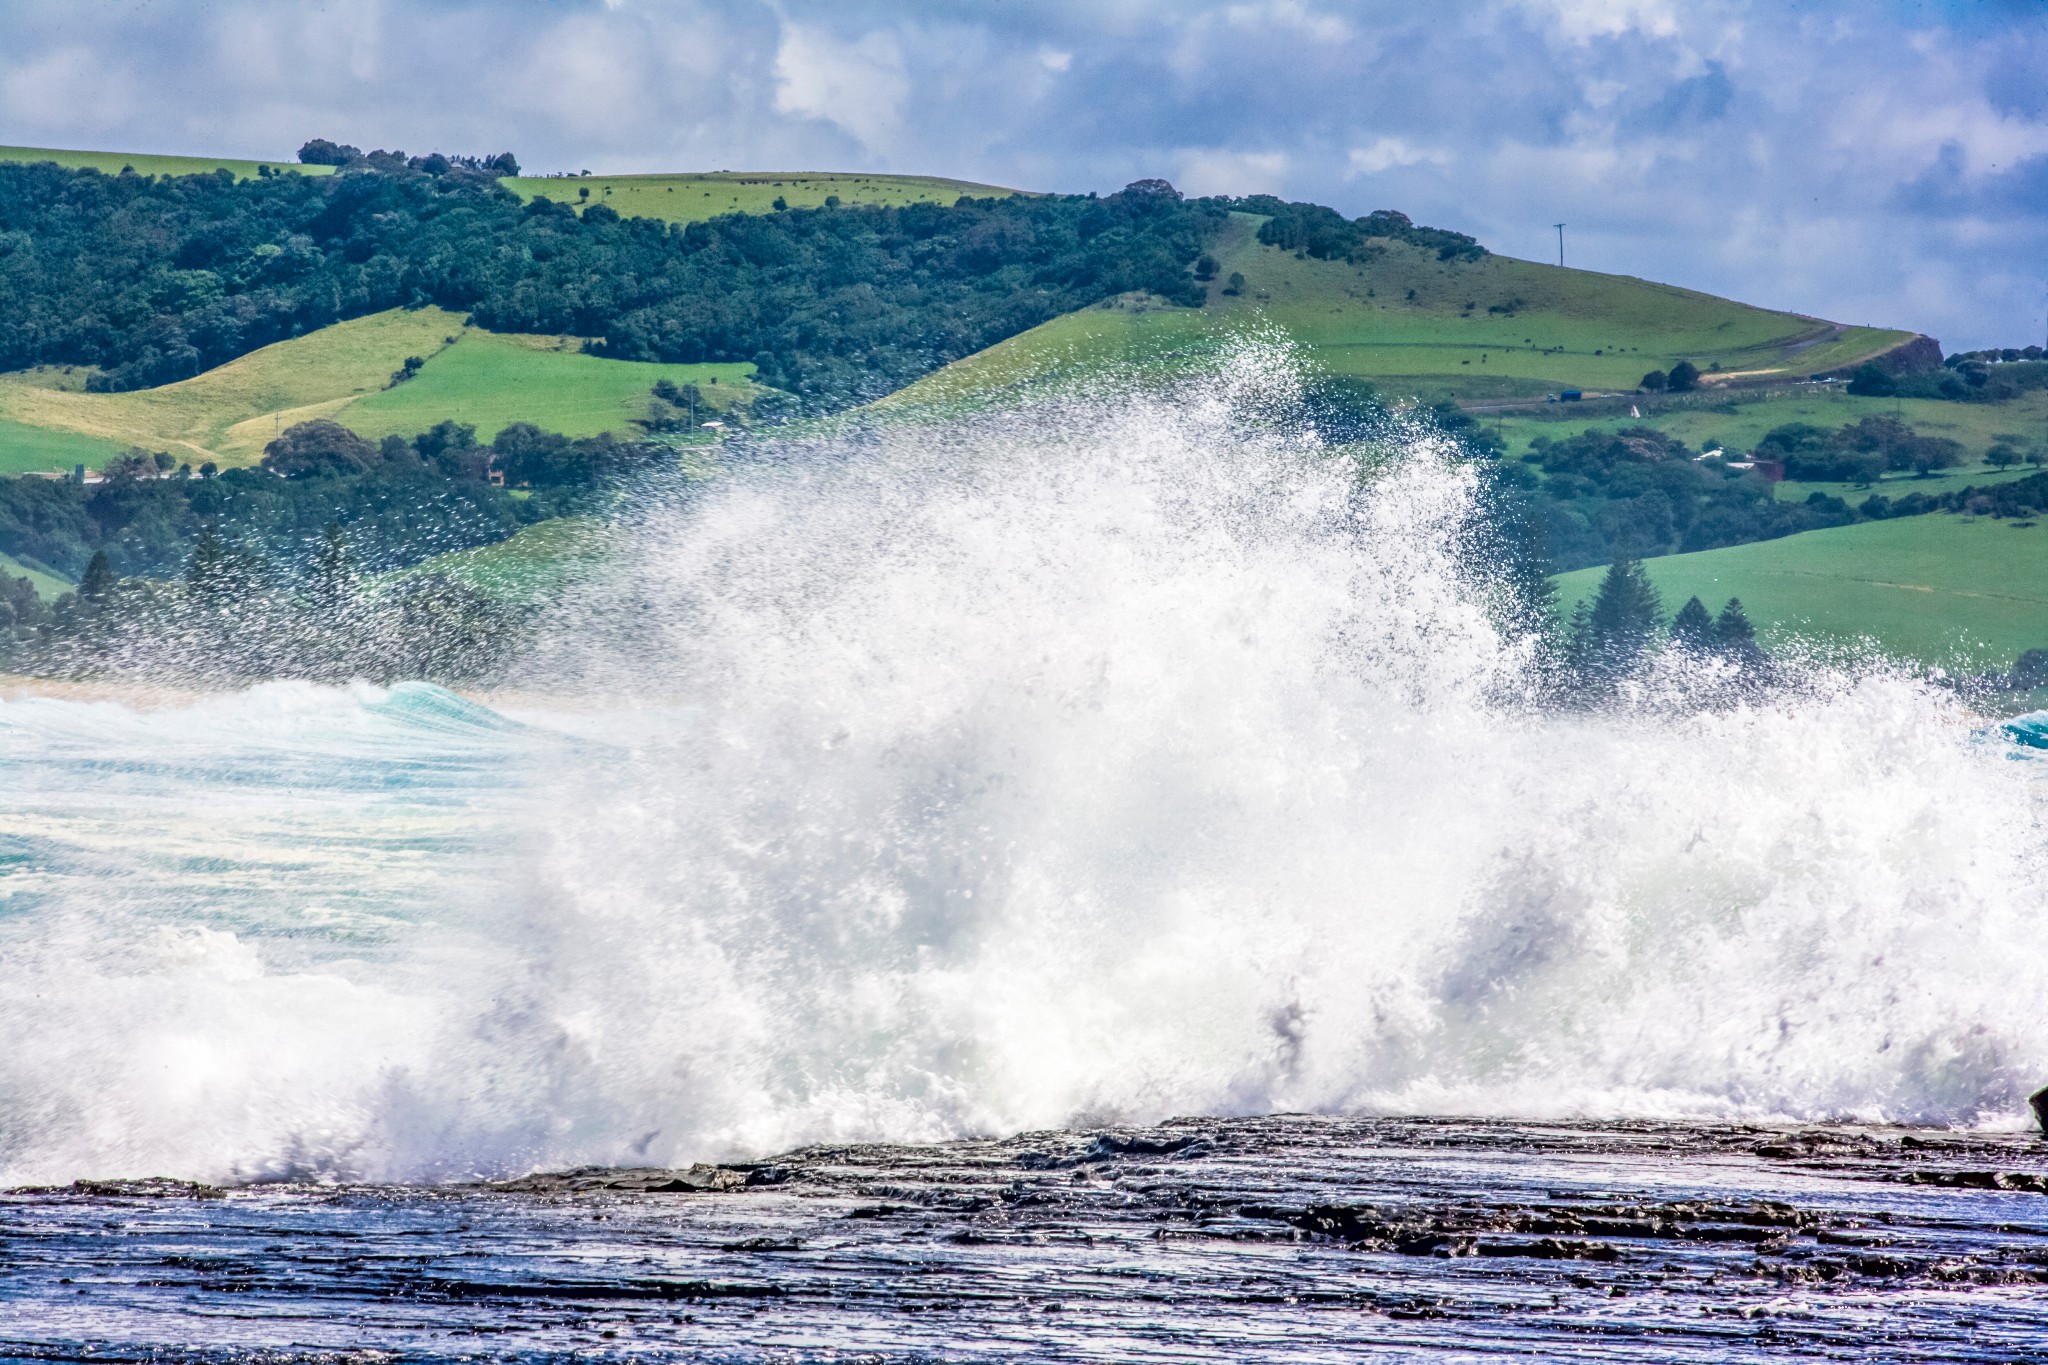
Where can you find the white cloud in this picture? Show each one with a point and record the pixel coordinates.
(1290, 14)
(1581, 21)
(71, 90)
(1053, 59)
(1389, 152)
(1215, 171)
(861, 85)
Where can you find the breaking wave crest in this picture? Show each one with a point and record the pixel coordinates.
(1132, 756)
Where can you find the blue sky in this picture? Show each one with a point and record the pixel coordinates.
(1868, 162)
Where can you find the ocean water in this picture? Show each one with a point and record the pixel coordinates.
(1137, 757)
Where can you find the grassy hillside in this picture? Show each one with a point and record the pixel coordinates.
(532, 566)
(26, 449)
(681, 198)
(690, 198)
(491, 380)
(229, 413)
(113, 163)
(1943, 589)
(1496, 327)
(48, 585)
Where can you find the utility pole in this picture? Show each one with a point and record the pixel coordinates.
(1560, 245)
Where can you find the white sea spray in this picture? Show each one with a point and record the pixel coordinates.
(1128, 756)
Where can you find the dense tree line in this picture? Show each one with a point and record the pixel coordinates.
(233, 615)
(320, 152)
(399, 500)
(154, 279)
(150, 279)
(1857, 453)
(1965, 378)
(286, 568)
(1637, 493)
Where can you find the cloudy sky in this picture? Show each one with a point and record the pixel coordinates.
(1881, 161)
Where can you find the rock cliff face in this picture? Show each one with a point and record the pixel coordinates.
(1921, 354)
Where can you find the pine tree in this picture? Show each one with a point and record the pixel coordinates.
(1693, 627)
(1610, 638)
(99, 581)
(1733, 629)
(1737, 637)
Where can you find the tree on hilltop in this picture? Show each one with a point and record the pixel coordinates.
(320, 152)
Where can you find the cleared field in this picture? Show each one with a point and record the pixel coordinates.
(26, 449)
(113, 163)
(1412, 324)
(230, 413)
(491, 381)
(691, 198)
(48, 585)
(1959, 592)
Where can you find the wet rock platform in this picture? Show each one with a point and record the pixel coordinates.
(1287, 1238)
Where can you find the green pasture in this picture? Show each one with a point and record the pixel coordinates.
(113, 163)
(229, 413)
(491, 381)
(1500, 326)
(1132, 333)
(26, 449)
(48, 585)
(1956, 591)
(691, 198)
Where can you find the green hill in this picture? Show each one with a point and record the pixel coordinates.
(1403, 317)
(1960, 592)
(229, 413)
(113, 163)
(684, 197)
(491, 380)
(691, 198)
(1414, 324)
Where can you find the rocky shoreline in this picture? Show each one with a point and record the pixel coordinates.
(1283, 1237)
